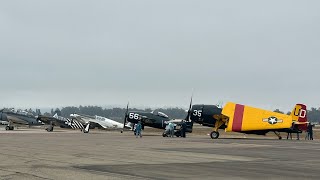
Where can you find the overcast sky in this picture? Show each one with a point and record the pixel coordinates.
(156, 53)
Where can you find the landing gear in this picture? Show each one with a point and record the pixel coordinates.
(214, 135)
(87, 128)
(167, 133)
(278, 134)
(9, 128)
(50, 128)
(177, 133)
(220, 120)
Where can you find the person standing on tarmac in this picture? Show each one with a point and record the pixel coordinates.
(183, 128)
(310, 130)
(138, 129)
(307, 133)
(171, 129)
(290, 133)
(296, 128)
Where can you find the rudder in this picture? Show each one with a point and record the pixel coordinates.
(299, 115)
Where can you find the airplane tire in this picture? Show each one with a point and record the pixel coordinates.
(280, 137)
(9, 128)
(49, 129)
(214, 135)
(164, 135)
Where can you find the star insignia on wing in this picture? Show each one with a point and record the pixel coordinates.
(272, 120)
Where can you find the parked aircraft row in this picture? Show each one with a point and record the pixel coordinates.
(232, 117)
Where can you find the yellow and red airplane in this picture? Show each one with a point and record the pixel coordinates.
(250, 120)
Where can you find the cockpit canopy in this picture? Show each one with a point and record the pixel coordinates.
(158, 113)
(20, 112)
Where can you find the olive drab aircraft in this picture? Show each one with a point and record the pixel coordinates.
(249, 120)
(155, 119)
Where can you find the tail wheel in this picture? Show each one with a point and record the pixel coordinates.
(278, 134)
(214, 135)
(49, 129)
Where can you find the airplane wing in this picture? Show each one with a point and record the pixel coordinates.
(80, 118)
(85, 119)
(245, 118)
(175, 121)
(99, 120)
(46, 119)
(107, 123)
(60, 121)
(16, 119)
(20, 119)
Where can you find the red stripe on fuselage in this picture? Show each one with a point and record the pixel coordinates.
(237, 118)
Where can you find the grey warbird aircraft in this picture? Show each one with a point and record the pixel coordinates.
(18, 117)
(155, 119)
(60, 121)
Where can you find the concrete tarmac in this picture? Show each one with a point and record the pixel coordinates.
(68, 154)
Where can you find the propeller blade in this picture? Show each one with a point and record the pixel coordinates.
(125, 117)
(189, 111)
